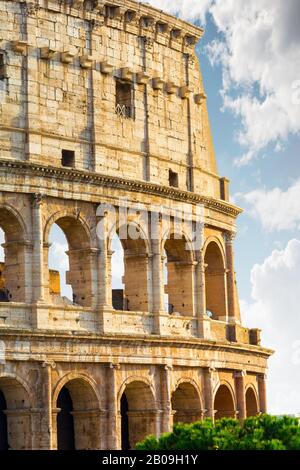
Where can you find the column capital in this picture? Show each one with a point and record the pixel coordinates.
(229, 237)
(239, 374)
(168, 367)
(262, 377)
(210, 369)
(114, 366)
(50, 363)
(37, 199)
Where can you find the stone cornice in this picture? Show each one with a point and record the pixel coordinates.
(189, 33)
(82, 176)
(109, 339)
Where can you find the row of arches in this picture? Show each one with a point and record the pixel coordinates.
(77, 413)
(69, 260)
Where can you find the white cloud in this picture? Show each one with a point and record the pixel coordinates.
(260, 59)
(275, 209)
(275, 309)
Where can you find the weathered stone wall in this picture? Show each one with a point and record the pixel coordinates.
(131, 372)
(61, 67)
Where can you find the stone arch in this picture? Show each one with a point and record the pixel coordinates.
(18, 219)
(224, 401)
(15, 413)
(137, 411)
(12, 272)
(64, 219)
(186, 402)
(78, 413)
(215, 279)
(251, 400)
(144, 239)
(179, 273)
(135, 294)
(169, 233)
(79, 252)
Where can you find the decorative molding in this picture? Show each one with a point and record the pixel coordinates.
(32, 8)
(67, 57)
(239, 374)
(19, 46)
(50, 363)
(200, 98)
(229, 237)
(81, 176)
(37, 199)
(46, 53)
(114, 366)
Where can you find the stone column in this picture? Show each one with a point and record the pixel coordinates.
(103, 275)
(48, 366)
(39, 265)
(166, 418)
(157, 284)
(233, 314)
(37, 255)
(208, 392)
(104, 283)
(55, 412)
(113, 420)
(262, 392)
(239, 380)
(200, 297)
(94, 256)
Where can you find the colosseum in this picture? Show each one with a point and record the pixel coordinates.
(104, 131)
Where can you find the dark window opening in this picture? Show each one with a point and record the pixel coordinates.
(129, 16)
(146, 22)
(112, 11)
(68, 158)
(173, 179)
(124, 106)
(2, 67)
(65, 422)
(161, 27)
(124, 423)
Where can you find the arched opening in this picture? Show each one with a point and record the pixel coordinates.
(186, 404)
(124, 423)
(12, 258)
(69, 261)
(117, 274)
(251, 403)
(65, 421)
(129, 270)
(3, 423)
(15, 432)
(58, 262)
(215, 283)
(178, 277)
(224, 404)
(78, 416)
(138, 415)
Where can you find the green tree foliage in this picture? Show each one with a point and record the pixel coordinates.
(263, 432)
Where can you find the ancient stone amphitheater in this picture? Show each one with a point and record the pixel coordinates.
(102, 105)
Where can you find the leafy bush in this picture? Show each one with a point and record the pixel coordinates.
(263, 432)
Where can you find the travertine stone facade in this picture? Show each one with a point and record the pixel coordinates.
(103, 102)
